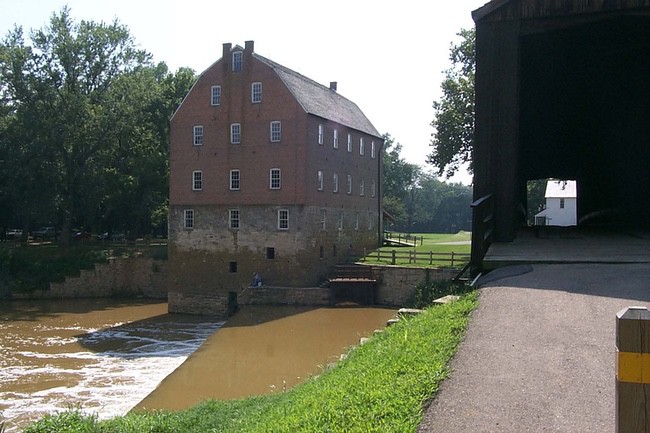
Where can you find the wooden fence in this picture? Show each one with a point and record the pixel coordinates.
(414, 257)
(403, 239)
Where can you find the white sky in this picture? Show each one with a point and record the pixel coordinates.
(387, 56)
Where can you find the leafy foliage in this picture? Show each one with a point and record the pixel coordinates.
(428, 291)
(84, 127)
(453, 121)
(536, 190)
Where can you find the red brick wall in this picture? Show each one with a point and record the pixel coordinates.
(254, 156)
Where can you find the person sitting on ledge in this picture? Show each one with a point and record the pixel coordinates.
(257, 280)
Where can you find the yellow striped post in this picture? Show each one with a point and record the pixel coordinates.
(633, 370)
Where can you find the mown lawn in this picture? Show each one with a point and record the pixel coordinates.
(381, 386)
(441, 244)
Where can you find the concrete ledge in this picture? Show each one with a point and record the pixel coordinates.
(273, 295)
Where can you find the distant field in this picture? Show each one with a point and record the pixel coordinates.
(432, 249)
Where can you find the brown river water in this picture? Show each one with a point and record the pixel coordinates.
(110, 356)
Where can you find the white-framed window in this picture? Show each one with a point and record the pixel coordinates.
(321, 134)
(349, 142)
(237, 60)
(323, 219)
(276, 131)
(283, 219)
(335, 181)
(356, 221)
(275, 179)
(320, 180)
(349, 184)
(235, 133)
(340, 223)
(336, 139)
(188, 218)
(197, 180)
(362, 149)
(373, 150)
(362, 188)
(235, 179)
(373, 189)
(215, 95)
(198, 135)
(233, 218)
(256, 93)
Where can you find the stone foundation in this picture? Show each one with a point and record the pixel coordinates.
(396, 284)
(216, 304)
(395, 287)
(265, 295)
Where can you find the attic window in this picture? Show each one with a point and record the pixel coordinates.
(237, 61)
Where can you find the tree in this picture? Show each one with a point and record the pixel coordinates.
(442, 207)
(400, 181)
(536, 191)
(58, 86)
(453, 122)
(85, 125)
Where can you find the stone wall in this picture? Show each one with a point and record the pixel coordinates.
(132, 277)
(217, 304)
(396, 284)
(265, 295)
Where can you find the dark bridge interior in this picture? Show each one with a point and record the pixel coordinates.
(584, 101)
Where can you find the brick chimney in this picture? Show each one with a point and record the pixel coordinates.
(226, 50)
(249, 46)
(333, 85)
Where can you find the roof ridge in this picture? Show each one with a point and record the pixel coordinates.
(301, 76)
(318, 99)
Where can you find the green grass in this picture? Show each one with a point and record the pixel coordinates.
(434, 242)
(381, 386)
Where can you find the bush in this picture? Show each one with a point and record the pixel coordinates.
(428, 291)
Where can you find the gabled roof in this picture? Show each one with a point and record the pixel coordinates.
(321, 101)
(519, 9)
(561, 189)
(488, 8)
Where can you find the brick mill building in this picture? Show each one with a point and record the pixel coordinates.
(271, 173)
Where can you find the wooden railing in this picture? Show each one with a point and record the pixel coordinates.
(482, 229)
(403, 238)
(395, 257)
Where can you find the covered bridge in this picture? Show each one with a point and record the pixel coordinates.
(562, 91)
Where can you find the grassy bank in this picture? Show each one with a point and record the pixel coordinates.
(381, 386)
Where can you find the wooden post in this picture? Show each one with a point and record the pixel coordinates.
(633, 370)
(431, 257)
(452, 259)
(393, 257)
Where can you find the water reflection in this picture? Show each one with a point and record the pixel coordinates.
(100, 355)
(263, 350)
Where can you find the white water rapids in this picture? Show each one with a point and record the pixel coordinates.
(51, 361)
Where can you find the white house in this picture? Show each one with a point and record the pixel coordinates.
(561, 204)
